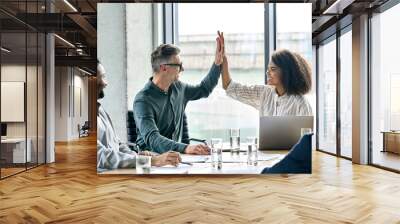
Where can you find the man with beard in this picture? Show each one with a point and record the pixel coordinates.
(111, 152)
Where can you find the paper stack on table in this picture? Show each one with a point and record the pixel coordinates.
(226, 158)
(169, 169)
(195, 158)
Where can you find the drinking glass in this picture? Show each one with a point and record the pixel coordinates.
(143, 163)
(305, 131)
(234, 139)
(216, 153)
(252, 151)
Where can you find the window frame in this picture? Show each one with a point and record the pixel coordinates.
(333, 37)
(170, 24)
(371, 14)
(28, 29)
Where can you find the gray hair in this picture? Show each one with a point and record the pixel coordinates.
(162, 54)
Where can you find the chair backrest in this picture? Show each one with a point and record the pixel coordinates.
(298, 160)
(185, 130)
(132, 133)
(131, 125)
(86, 125)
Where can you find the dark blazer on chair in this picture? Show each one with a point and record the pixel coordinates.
(298, 160)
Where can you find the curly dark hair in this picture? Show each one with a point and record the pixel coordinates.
(296, 72)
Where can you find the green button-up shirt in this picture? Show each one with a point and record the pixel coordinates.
(159, 114)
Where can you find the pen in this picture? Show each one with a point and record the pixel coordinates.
(187, 163)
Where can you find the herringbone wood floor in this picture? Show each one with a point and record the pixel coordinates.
(70, 191)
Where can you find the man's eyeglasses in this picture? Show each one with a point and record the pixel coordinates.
(181, 69)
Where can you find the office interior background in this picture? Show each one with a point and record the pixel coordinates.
(328, 46)
(128, 33)
(48, 86)
(48, 67)
(128, 55)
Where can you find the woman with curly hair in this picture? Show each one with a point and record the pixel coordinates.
(289, 78)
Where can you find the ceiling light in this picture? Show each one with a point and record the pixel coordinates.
(5, 50)
(65, 41)
(79, 51)
(71, 6)
(86, 72)
(338, 6)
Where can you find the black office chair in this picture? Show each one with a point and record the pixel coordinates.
(185, 130)
(131, 125)
(298, 160)
(83, 130)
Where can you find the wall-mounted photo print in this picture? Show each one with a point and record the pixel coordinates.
(196, 88)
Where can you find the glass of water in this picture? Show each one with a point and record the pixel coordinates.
(216, 153)
(234, 140)
(305, 131)
(143, 163)
(252, 151)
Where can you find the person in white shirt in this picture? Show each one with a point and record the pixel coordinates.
(289, 79)
(111, 152)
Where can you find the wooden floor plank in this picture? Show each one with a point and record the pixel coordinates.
(70, 191)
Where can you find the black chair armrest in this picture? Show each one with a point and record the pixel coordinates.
(198, 140)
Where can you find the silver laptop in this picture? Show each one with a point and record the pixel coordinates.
(282, 132)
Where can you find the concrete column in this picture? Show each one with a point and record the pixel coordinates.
(157, 21)
(64, 105)
(50, 99)
(125, 43)
(111, 51)
(139, 44)
(360, 90)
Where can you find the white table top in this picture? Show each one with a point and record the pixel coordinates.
(234, 164)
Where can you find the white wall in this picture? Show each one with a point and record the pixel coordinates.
(61, 103)
(124, 45)
(67, 115)
(111, 51)
(80, 101)
(33, 126)
(138, 55)
(12, 73)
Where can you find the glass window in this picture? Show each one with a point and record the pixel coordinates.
(22, 93)
(295, 34)
(327, 96)
(212, 117)
(13, 83)
(346, 94)
(385, 84)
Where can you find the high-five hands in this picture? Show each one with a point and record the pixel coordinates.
(220, 51)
